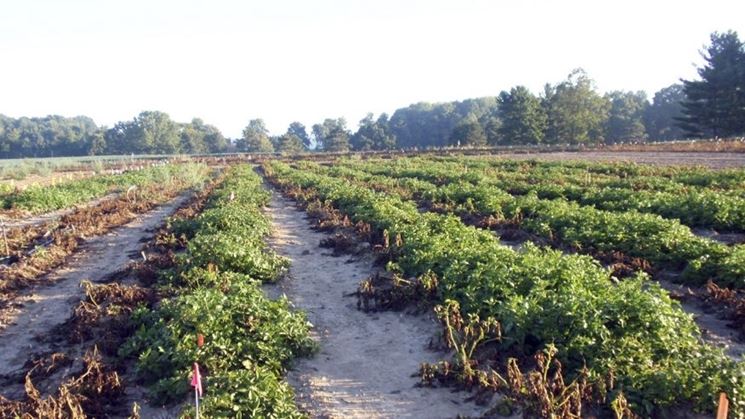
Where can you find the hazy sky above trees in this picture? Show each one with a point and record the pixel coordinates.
(228, 62)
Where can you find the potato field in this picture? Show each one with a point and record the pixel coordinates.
(432, 286)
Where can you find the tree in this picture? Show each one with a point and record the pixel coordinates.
(626, 116)
(290, 143)
(468, 133)
(430, 125)
(523, 119)
(492, 125)
(97, 144)
(332, 135)
(298, 130)
(660, 117)
(214, 141)
(156, 133)
(48, 136)
(373, 134)
(715, 105)
(576, 112)
(192, 137)
(255, 138)
(150, 132)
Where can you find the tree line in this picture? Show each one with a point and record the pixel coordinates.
(569, 112)
(150, 132)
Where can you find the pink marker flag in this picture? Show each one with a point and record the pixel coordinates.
(196, 380)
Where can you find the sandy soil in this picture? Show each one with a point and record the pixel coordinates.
(365, 365)
(712, 160)
(714, 330)
(44, 307)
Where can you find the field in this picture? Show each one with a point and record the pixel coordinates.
(558, 285)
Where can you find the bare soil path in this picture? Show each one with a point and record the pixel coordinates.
(365, 365)
(44, 307)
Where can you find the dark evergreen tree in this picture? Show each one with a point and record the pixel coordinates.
(715, 105)
(523, 119)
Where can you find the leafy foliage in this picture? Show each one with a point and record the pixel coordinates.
(37, 199)
(249, 339)
(629, 329)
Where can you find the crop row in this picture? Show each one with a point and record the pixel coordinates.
(642, 176)
(215, 288)
(34, 250)
(630, 330)
(693, 206)
(43, 198)
(664, 242)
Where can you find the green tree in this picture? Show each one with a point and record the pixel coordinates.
(431, 124)
(660, 118)
(626, 116)
(468, 133)
(255, 138)
(290, 143)
(214, 141)
(192, 137)
(373, 134)
(48, 136)
(576, 112)
(332, 135)
(523, 119)
(156, 133)
(298, 130)
(715, 105)
(97, 144)
(492, 125)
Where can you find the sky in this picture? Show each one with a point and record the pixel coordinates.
(228, 62)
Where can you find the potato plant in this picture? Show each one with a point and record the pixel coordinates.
(250, 339)
(629, 329)
(665, 242)
(38, 199)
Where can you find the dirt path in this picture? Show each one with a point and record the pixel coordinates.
(714, 330)
(44, 307)
(365, 365)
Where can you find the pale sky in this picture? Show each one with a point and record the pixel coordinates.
(283, 60)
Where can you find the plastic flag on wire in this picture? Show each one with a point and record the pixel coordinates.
(196, 382)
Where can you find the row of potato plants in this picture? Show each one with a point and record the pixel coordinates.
(692, 176)
(664, 242)
(630, 330)
(722, 209)
(31, 251)
(694, 206)
(37, 199)
(214, 289)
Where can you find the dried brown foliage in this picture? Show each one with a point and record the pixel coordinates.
(70, 232)
(732, 301)
(86, 394)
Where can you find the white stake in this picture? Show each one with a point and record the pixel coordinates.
(196, 400)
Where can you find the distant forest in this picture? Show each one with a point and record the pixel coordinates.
(569, 112)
